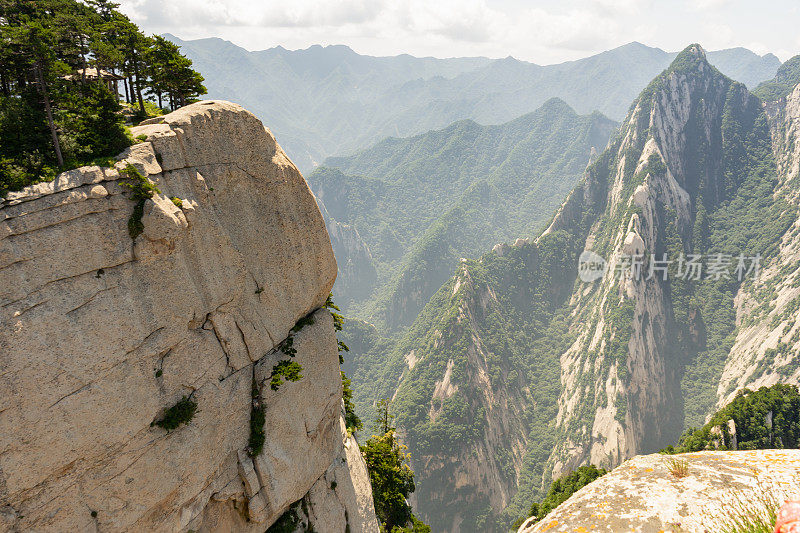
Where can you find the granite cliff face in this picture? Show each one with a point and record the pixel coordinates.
(99, 334)
(357, 274)
(649, 182)
(768, 339)
(692, 172)
(572, 372)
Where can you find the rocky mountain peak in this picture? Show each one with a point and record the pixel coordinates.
(693, 140)
(692, 53)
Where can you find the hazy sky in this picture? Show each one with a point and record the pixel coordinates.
(541, 31)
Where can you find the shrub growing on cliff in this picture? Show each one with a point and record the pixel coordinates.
(284, 371)
(391, 478)
(142, 189)
(294, 519)
(288, 370)
(338, 323)
(351, 419)
(180, 413)
(255, 443)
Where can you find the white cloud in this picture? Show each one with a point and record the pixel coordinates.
(285, 13)
(415, 26)
(710, 5)
(759, 48)
(719, 36)
(620, 7)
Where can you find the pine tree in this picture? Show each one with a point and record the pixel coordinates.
(53, 115)
(390, 475)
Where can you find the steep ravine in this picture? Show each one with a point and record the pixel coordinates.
(768, 339)
(602, 371)
(690, 173)
(100, 334)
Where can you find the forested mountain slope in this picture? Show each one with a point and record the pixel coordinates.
(332, 101)
(787, 76)
(517, 370)
(402, 213)
(767, 343)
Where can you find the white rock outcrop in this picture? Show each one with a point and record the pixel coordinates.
(100, 333)
(645, 495)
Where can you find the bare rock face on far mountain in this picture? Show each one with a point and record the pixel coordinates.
(100, 334)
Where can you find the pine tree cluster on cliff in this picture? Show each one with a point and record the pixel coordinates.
(62, 65)
(763, 419)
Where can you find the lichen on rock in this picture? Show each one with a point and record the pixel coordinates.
(645, 496)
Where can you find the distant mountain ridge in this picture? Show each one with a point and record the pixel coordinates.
(419, 204)
(325, 101)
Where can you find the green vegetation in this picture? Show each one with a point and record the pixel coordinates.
(288, 370)
(766, 418)
(180, 413)
(679, 468)
(177, 201)
(738, 215)
(142, 189)
(292, 520)
(255, 444)
(517, 334)
(338, 323)
(56, 112)
(498, 327)
(351, 420)
(307, 320)
(391, 478)
(748, 514)
(786, 79)
(731, 178)
(750, 519)
(431, 199)
(561, 489)
(342, 102)
(284, 371)
(755, 429)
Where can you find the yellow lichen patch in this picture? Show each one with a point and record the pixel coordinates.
(551, 525)
(648, 469)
